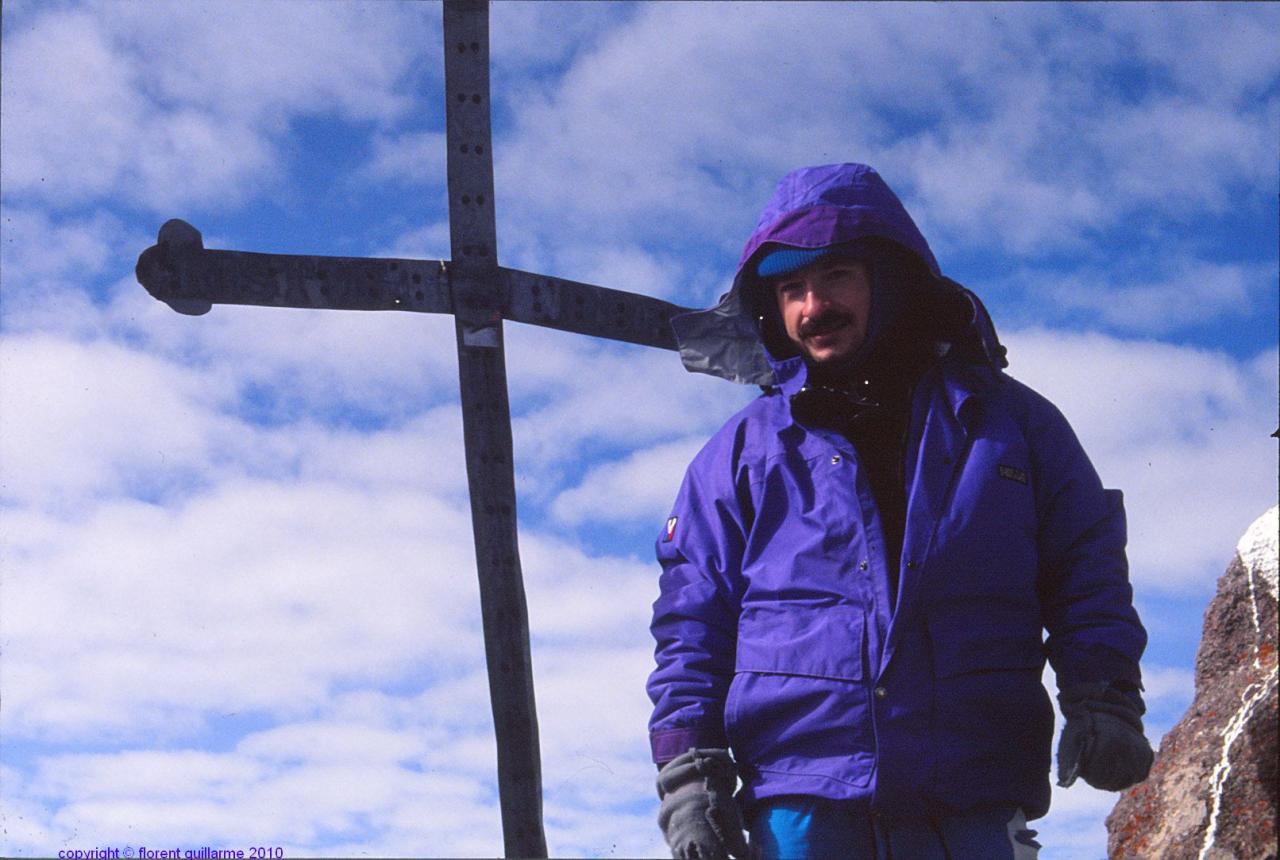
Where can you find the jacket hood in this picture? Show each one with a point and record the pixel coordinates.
(812, 208)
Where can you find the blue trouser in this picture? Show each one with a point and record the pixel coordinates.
(806, 828)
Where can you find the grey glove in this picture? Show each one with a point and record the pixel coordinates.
(698, 815)
(1102, 740)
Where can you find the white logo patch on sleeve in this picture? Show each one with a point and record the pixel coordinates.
(671, 529)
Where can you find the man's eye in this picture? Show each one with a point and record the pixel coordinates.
(789, 288)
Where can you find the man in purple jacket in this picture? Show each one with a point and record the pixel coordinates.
(861, 565)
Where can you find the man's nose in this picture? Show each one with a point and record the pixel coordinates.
(815, 299)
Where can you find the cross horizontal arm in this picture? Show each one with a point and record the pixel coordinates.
(588, 309)
(178, 271)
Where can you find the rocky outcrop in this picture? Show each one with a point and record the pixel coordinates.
(1212, 791)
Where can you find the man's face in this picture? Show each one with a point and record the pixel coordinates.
(825, 308)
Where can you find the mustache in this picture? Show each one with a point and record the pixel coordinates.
(827, 322)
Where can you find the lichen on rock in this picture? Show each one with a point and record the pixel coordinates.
(1212, 794)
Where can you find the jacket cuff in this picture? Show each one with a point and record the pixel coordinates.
(1102, 694)
(669, 743)
(1100, 664)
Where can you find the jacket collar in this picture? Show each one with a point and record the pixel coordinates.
(789, 374)
(963, 383)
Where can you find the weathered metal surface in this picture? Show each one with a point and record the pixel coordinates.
(487, 431)
(473, 234)
(486, 420)
(178, 271)
(587, 309)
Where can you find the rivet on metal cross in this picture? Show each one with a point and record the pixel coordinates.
(480, 294)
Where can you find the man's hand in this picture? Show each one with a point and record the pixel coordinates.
(699, 816)
(1102, 740)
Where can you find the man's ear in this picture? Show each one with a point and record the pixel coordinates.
(763, 302)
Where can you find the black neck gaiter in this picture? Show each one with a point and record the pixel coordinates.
(871, 406)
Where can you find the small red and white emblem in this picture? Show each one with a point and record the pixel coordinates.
(671, 528)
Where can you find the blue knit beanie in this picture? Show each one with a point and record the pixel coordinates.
(784, 261)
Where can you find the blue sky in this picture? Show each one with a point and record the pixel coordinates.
(239, 601)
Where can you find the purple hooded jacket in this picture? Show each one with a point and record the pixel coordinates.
(776, 632)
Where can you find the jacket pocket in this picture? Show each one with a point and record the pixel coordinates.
(991, 722)
(993, 640)
(797, 712)
(820, 641)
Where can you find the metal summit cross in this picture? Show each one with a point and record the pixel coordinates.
(480, 294)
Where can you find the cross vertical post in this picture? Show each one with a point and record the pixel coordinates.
(179, 271)
(486, 420)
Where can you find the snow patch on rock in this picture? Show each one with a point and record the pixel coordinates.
(1259, 549)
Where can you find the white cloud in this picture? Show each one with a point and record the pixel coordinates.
(387, 365)
(159, 104)
(1187, 41)
(536, 37)
(259, 59)
(640, 487)
(1178, 294)
(967, 198)
(1075, 825)
(597, 772)
(256, 597)
(574, 397)
(96, 420)
(372, 775)
(430, 242)
(263, 596)
(311, 559)
(1183, 432)
(84, 420)
(414, 156)
(629, 141)
(63, 86)
(425, 453)
(273, 540)
(66, 85)
(589, 599)
(620, 267)
(1167, 682)
(337, 782)
(25, 825)
(37, 246)
(1185, 154)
